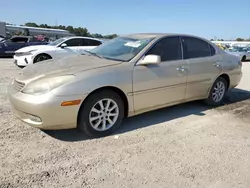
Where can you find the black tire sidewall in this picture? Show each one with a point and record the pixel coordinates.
(243, 58)
(35, 59)
(210, 100)
(83, 117)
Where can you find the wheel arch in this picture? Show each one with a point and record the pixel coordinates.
(109, 88)
(227, 78)
(223, 75)
(43, 53)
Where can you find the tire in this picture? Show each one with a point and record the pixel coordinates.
(211, 100)
(243, 58)
(84, 123)
(42, 57)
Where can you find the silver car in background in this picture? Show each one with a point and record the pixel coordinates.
(123, 77)
(243, 53)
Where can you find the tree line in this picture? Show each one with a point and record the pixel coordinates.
(238, 39)
(79, 31)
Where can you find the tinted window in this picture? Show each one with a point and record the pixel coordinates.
(74, 42)
(89, 42)
(212, 50)
(19, 39)
(195, 48)
(168, 48)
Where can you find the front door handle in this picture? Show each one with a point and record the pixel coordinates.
(181, 69)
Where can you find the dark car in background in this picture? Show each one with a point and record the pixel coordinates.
(9, 46)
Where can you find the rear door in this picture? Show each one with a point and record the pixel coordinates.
(204, 66)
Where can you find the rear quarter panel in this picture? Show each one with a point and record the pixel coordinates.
(233, 68)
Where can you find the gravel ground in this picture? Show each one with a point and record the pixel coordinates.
(182, 146)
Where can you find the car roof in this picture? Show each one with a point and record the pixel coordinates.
(73, 37)
(157, 35)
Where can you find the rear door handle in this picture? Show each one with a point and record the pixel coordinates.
(181, 69)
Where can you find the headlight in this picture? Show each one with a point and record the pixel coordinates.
(25, 53)
(45, 85)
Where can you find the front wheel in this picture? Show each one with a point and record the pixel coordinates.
(217, 92)
(101, 114)
(41, 57)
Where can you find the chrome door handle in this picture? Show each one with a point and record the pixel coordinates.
(217, 65)
(181, 69)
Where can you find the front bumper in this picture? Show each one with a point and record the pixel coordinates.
(44, 111)
(23, 60)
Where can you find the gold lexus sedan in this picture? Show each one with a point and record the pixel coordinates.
(123, 77)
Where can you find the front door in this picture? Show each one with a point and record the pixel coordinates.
(164, 83)
(203, 64)
(73, 47)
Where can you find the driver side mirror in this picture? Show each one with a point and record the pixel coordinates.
(63, 45)
(150, 59)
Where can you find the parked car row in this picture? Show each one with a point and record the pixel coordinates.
(9, 46)
(129, 75)
(60, 48)
(243, 53)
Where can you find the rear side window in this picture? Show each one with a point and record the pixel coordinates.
(89, 42)
(212, 50)
(195, 48)
(74, 42)
(19, 39)
(168, 48)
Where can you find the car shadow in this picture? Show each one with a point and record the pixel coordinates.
(158, 116)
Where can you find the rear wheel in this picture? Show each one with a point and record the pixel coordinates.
(243, 58)
(42, 57)
(101, 114)
(218, 92)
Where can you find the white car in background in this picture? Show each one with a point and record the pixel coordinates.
(59, 48)
(241, 52)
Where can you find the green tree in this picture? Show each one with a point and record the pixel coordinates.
(31, 24)
(239, 39)
(79, 31)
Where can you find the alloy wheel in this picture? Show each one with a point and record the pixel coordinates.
(218, 91)
(103, 115)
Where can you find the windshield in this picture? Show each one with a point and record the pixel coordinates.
(121, 48)
(56, 42)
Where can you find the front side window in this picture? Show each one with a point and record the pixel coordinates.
(56, 42)
(168, 48)
(195, 48)
(121, 48)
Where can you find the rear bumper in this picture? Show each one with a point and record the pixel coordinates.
(235, 80)
(44, 111)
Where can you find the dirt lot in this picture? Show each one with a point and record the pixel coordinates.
(183, 146)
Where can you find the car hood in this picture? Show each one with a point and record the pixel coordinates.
(67, 65)
(35, 47)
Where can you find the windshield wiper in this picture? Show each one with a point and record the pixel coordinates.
(94, 54)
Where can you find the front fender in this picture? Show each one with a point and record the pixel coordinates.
(88, 81)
